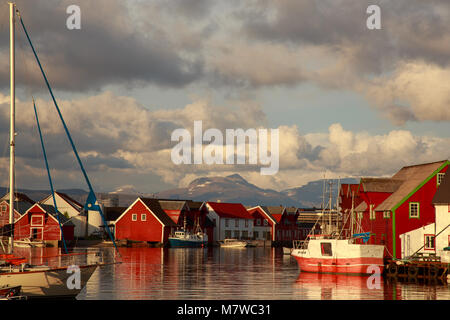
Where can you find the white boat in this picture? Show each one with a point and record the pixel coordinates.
(233, 243)
(27, 243)
(330, 253)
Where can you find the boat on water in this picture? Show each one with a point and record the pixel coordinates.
(184, 238)
(39, 281)
(234, 243)
(330, 252)
(28, 243)
(11, 293)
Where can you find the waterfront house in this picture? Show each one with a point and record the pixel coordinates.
(434, 237)
(72, 210)
(408, 207)
(144, 220)
(40, 222)
(231, 220)
(263, 223)
(21, 204)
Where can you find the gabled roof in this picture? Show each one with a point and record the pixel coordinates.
(362, 207)
(263, 210)
(173, 205)
(292, 210)
(50, 210)
(380, 184)
(18, 197)
(155, 207)
(412, 177)
(442, 195)
(112, 213)
(73, 203)
(19, 206)
(230, 210)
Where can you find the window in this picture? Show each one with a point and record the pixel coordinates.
(371, 212)
(134, 217)
(37, 221)
(227, 234)
(414, 210)
(246, 223)
(236, 223)
(255, 234)
(4, 208)
(244, 234)
(439, 178)
(258, 222)
(227, 222)
(429, 242)
(326, 249)
(143, 217)
(236, 234)
(387, 214)
(265, 222)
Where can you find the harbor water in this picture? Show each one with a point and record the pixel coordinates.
(236, 274)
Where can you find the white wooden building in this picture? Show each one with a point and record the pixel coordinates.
(232, 221)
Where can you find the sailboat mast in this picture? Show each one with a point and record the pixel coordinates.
(12, 124)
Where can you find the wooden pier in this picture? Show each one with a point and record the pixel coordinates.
(422, 267)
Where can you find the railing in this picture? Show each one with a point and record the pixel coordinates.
(300, 244)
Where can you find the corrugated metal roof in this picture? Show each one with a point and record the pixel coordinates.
(412, 177)
(442, 195)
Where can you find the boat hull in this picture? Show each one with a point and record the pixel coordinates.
(181, 243)
(51, 283)
(342, 258)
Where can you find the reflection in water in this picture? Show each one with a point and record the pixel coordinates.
(231, 273)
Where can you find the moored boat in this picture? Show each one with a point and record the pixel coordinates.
(233, 243)
(339, 256)
(182, 238)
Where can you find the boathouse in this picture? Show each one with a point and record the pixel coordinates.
(72, 209)
(144, 220)
(263, 223)
(434, 238)
(21, 204)
(40, 222)
(231, 220)
(399, 204)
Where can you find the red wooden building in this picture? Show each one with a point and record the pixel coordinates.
(281, 220)
(40, 222)
(144, 220)
(400, 204)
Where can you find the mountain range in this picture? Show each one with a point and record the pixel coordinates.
(233, 188)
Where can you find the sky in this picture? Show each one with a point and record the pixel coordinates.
(348, 101)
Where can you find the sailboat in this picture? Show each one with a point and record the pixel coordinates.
(330, 252)
(38, 281)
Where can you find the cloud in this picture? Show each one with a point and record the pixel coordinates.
(108, 49)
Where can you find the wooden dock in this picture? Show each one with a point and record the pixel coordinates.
(422, 267)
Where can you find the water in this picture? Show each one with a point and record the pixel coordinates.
(235, 274)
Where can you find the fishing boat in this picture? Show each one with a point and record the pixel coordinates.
(330, 253)
(233, 243)
(39, 281)
(184, 238)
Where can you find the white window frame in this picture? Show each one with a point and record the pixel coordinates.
(134, 217)
(143, 217)
(439, 178)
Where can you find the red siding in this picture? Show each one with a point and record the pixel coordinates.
(151, 230)
(4, 214)
(47, 227)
